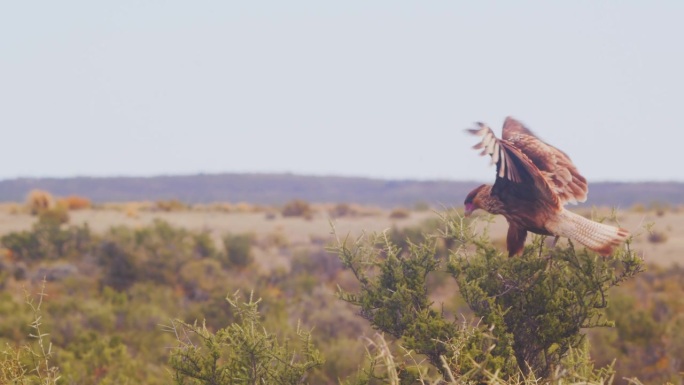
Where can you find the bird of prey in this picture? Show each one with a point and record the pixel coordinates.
(534, 180)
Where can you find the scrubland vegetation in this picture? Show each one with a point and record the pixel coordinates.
(424, 302)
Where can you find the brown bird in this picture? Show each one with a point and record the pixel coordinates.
(534, 180)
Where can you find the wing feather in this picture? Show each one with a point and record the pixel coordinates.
(514, 170)
(555, 165)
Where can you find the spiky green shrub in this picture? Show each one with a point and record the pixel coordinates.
(538, 303)
(241, 353)
(394, 298)
(532, 308)
(31, 363)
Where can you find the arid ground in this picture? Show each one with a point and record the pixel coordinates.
(658, 234)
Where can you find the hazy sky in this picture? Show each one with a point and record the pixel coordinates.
(364, 88)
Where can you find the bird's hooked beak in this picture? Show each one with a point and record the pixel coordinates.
(469, 208)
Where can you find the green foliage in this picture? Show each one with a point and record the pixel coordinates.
(204, 245)
(386, 366)
(533, 308)
(56, 216)
(394, 298)
(649, 332)
(404, 237)
(120, 270)
(238, 250)
(156, 252)
(32, 362)
(48, 240)
(539, 302)
(104, 316)
(97, 360)
(241, 353)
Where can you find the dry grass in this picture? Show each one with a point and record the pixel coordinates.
(11, 208)
(170, 205)
(38, 201)
(244, 207)
(400, 213)
(298, 208)
(74, 202)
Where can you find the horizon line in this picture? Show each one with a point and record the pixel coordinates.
(296, 174)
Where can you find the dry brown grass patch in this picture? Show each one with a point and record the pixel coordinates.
(170, 205)
(343, 210)
(74, 202)
(244, 207)
(12, 208)
(298, 208)
(400, 213)
(38, 201)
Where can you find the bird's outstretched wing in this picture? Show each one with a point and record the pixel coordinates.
(555, 166)
(516, 173)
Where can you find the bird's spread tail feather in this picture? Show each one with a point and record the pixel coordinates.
(595, 236)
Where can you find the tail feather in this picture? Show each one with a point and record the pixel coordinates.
(595, 236)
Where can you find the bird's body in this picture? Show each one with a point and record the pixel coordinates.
(534, 180)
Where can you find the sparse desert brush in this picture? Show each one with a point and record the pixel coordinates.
(6, 254)
(170, 205)
(11, 208)
(244, 207)
(202, 207)
(199, 207)
(146, 205)
(276, 238)
(343, 210)
(399, 213)
(38, 201)
(298, 208)
(659, 208)
(368, 211)
(57, 215)
(638, 208)
(237, 250)
(114, 206)
(259, 208)
(74, 202)
(655, 236)
(319, 240)
(131, 211)
(222, 207)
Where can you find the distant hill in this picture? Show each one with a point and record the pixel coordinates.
(280, 188)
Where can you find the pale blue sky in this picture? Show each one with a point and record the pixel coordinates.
(364, 88)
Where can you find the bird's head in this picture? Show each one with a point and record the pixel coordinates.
(474, 199)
